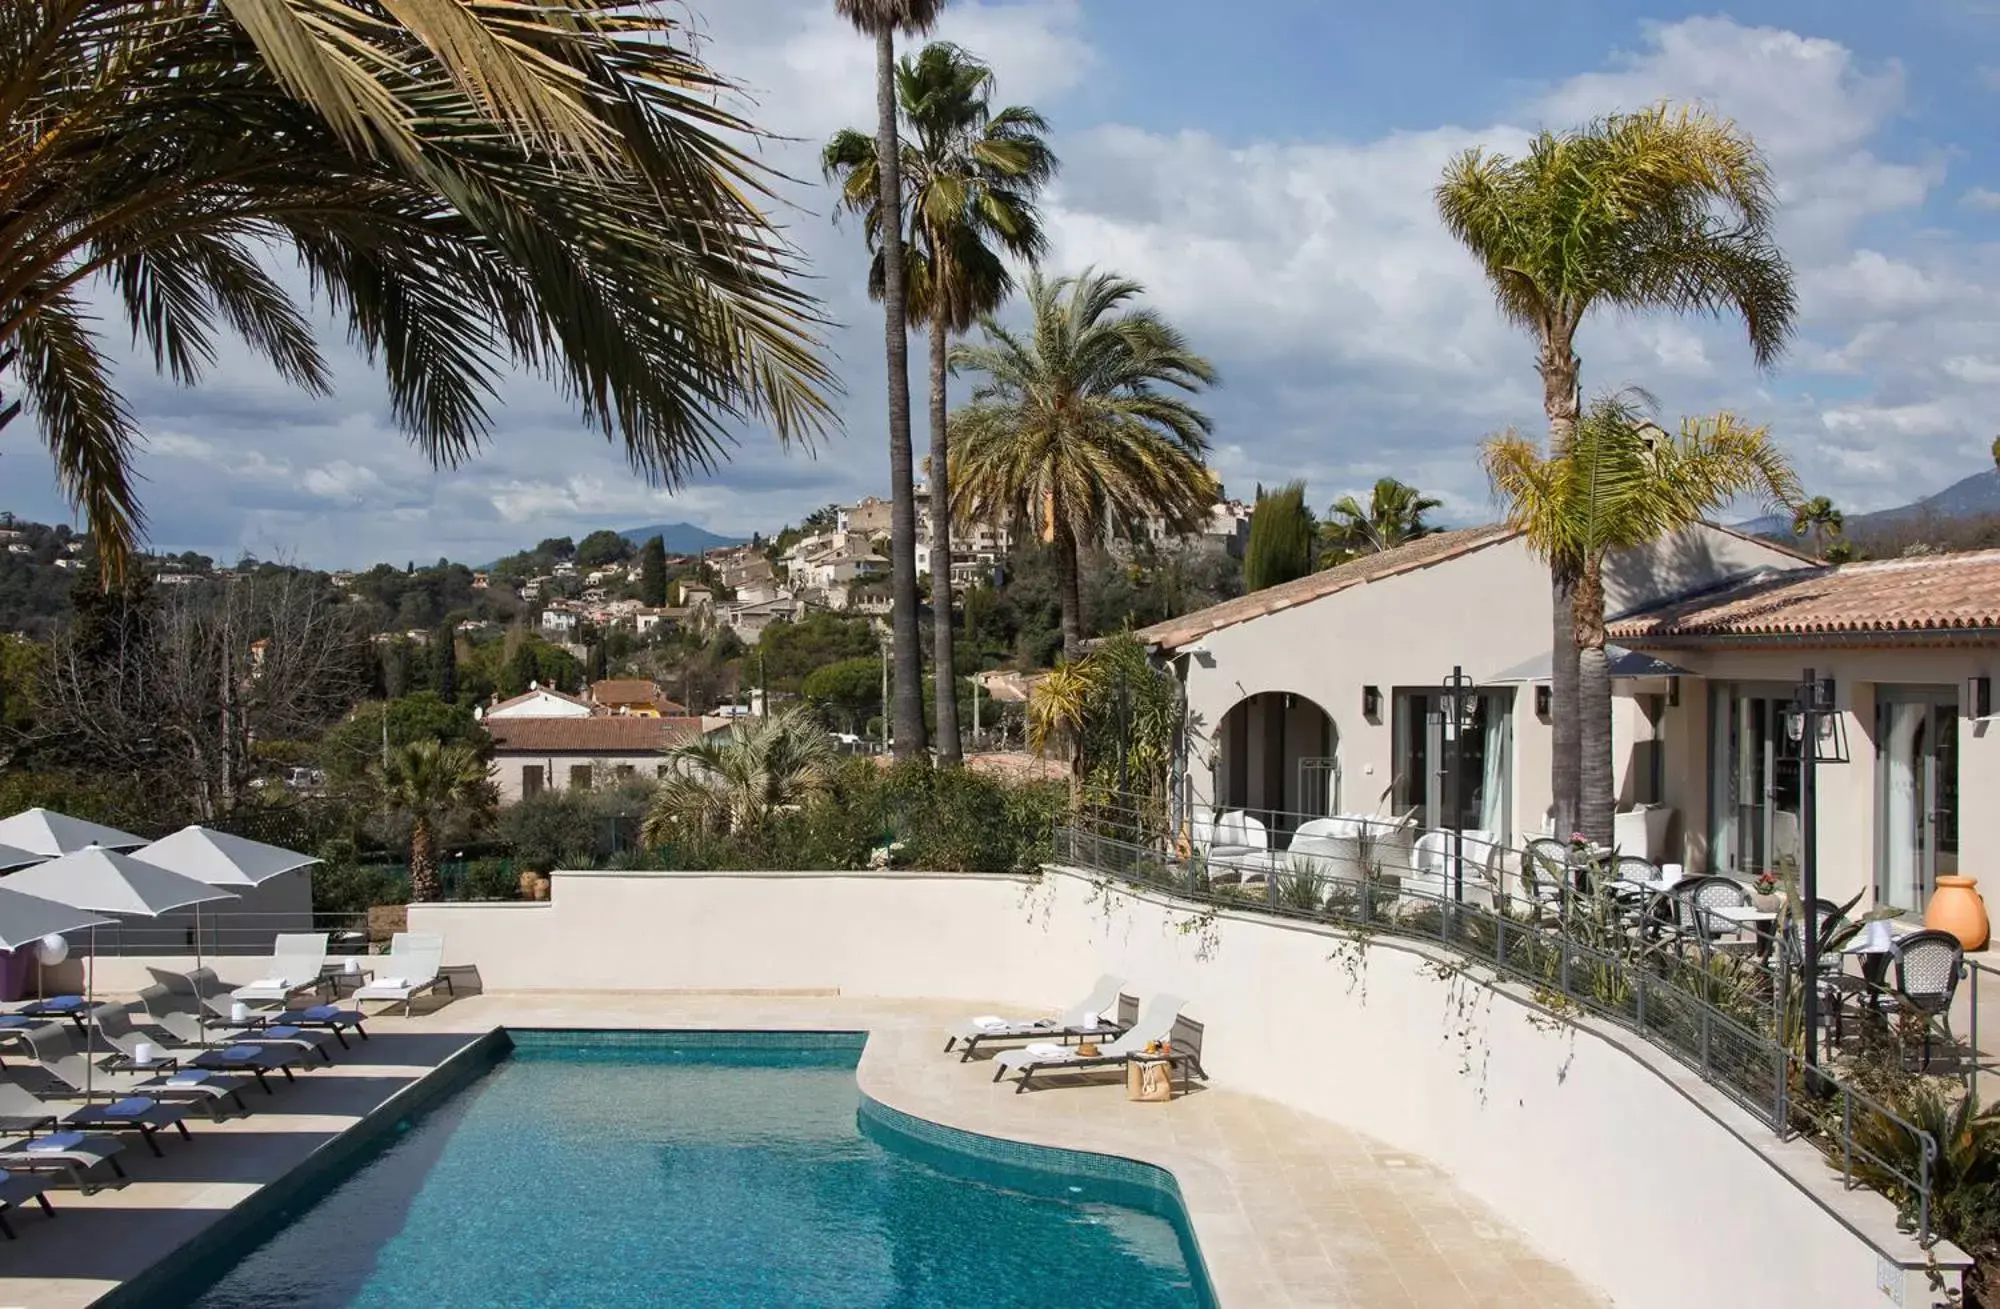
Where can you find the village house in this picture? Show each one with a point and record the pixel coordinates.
(538, 701)
(533, 755)
(634, 696)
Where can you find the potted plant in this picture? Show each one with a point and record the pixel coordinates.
(1764, 891)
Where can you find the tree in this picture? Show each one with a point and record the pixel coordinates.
(519, 672)
(761, 766)
(1820, 520)
(971, 176)
(432, 783)
(1621, 484)
(601, 548)
(444, 663)
(559, 548)
(791, 651)
(1075, 430)
(1662, 209)
(1394, 514)
(435, 170)
(823, 518)
(653, 574)
(850, 691)
(882, 19)
(351, 751)
(1281, 538)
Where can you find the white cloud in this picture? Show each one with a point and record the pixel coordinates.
(1355, 338)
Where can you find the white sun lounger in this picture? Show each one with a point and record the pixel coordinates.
(414, 965)
(1085, 1016)
(1155, 1023)
(297, 959)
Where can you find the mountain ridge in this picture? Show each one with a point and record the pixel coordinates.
(680, 538)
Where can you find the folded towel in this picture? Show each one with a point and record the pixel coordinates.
(58, 1143)
(320, 1013)
(240, 1053)
(62, 1002)
(989, 1020)
(390, 983)
(15, 1020)
(188, 1077)
(265, 984)
(130, 1107)
(1047, 1050)
(282, 1033)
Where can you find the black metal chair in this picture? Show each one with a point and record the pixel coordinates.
(1546, 875)
(1703, 895)
(1833, 991)
(1928, 966)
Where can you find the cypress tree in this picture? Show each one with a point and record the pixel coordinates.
(444, 663)
(1281, 537)
(653, 574)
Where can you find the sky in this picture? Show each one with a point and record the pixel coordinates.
(1265, 170)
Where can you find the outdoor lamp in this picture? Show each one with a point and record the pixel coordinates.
(1371, 703)
(1544, 698)
(52, 949)
(1979, 697)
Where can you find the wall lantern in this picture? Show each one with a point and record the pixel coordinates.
(1371, 703)
(1543, 700)
(1979, 697)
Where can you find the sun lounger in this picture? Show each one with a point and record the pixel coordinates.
(297, 960)
(325, 1017)
(1156, 1022)
(414, 965)
(163, 1011)
(61, 1063)
(1086, 1018)
(16, 1189)
(137, 1113)
(72, 1156)
(240, 1057)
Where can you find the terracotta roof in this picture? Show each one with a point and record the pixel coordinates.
(616, 691)
(620, 734)
(1936, 595)
(1420, 553)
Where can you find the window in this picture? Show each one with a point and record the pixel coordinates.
(624, 771)
(531, 780)
(1454, 774)
(579, 777)
(663, 771)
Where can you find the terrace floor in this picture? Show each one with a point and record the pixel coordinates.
(1288, 1209)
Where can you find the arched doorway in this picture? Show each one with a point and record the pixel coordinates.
(1278, 759)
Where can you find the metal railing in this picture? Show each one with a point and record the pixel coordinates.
(1581, 950)
(223, 933)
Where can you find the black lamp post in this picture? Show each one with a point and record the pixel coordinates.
(1460, 704)
(1814, 702)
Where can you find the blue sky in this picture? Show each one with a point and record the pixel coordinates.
(1264, 169)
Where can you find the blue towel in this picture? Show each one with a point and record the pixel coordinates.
(281, 1032)
(320, 1013)
(132, 1106)
(57, 1143)
(241, 1053)
(15, 1020)
(61, 1002)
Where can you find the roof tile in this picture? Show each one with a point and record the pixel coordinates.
(617, 734)
(1922, 594)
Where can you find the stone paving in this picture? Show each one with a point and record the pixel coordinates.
(1288, 1209)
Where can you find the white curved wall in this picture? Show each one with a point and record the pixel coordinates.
(1612, 1160)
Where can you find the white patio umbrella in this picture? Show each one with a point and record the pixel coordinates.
(220, 859)
(47, 833)
(107, 882)
(12, 857)
(26, 919)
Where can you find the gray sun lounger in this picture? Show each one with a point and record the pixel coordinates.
(1084, 1018)
(56, 1051)
(213, 1093)
(142, 1114)
(17, 1189)
(1159, 1020)
(322, 1017)
(163, 1011)
(72, 1156)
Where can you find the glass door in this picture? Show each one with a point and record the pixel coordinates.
(1916, 792)
(1755, 778)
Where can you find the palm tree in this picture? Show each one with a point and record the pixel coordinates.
(882, 19)
(763, 765)
(1662, 209)
(1622, 484)
(1074, 429)
(1821, 520)
(970, 177)
(1058, 711)
(1394, 514)
(469, 188)
(432, 782)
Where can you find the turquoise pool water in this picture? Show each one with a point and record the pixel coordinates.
(665, 1169)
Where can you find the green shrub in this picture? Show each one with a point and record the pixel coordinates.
(348, 888)
(490, 879)
(551, 829)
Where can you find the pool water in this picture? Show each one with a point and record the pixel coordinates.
(706, 1170)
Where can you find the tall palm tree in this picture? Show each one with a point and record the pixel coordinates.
(1661, 209)
(970, 180)
(761, 766)
(432, 782)
(882, 19)
(1394, 514)
(469, 188)
(1622, 483)
(1076, 430)
(1820, 520)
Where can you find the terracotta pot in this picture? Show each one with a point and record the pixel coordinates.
(541, 888)
(527, 883)
(1956, 907)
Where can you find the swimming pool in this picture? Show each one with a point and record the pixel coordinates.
(711, 1169)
